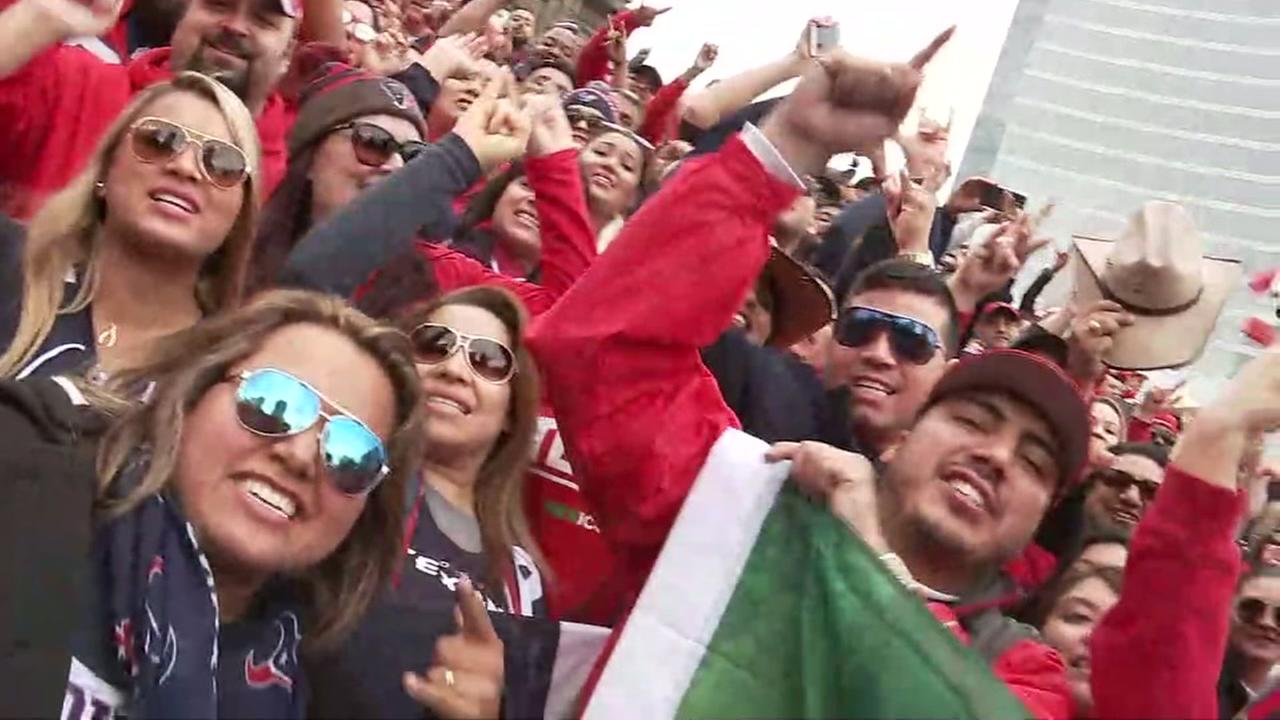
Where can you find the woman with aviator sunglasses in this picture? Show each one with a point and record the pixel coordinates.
(480, 404)
(1254, 642)
(153, 235)
(192, 546)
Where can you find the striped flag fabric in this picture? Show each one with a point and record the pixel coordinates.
(762, 604)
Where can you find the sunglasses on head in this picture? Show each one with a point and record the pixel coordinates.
(1252, 611)
(153, 140)
(273, 403)
(360, 30)
(909, 339)
(488, 359)
(375, 145)
(581, 114)
(1121, 481)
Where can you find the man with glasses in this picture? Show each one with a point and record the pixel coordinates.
(1117, 496)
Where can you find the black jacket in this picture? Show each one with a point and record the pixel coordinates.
(47, 488)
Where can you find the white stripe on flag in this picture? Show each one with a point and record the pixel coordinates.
(579, 649)
(690, 586)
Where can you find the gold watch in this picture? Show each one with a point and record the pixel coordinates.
(920, 258)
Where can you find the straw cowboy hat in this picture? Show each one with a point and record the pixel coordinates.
(1157, 271)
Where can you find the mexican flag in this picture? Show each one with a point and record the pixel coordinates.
(764, 605)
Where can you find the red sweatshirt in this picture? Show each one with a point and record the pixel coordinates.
(1158, 652)
(661, 122)
(638, 410)
(54, 110)
(660, 119)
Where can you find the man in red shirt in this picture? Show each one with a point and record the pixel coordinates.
(57, 100)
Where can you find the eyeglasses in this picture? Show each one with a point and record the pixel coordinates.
(583, 115)
(360, 30)
(153, 140)
(273, 403)
(488, 359)
(375, 145)
(1252, 611)
(1120, 481)
(909, 339)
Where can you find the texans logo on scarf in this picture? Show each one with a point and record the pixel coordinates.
(276, 668)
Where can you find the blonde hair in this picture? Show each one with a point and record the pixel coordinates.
(499, 487)
(64, 234)
(185, 365)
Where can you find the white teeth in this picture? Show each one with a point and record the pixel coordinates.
(873, 386)
(446, 402)
(175, 201)
(602, 179)
(271, 497)
(969, 493)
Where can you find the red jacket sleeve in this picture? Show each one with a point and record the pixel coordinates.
(637, 410)
(53, 111)
(1139, 430)
(1034, 673)
(453, 270)
(568, 241)
(659, 114)
(593, 59)
(1157, 653)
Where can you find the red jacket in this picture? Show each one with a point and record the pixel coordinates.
(568, 242)
(54, 110)
(1158, 652)
(637, 409)
(660, 119)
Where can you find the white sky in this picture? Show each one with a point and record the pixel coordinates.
(752, 32)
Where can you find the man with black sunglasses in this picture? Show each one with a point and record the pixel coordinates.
(1117, 496)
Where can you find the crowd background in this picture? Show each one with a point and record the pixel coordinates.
(243, 497)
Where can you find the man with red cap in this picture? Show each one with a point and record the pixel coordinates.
(997, 326)
(57, 100)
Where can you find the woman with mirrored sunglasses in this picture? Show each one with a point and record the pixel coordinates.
(480, 404)
(195, 546)
(153, 235)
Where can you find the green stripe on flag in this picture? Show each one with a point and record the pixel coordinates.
(817, 627)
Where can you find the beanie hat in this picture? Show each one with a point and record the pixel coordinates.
(339, 93)
(597, 96)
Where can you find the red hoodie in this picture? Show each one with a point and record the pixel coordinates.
(54, 110)
(638, 410)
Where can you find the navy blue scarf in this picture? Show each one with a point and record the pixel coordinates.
(157, 611)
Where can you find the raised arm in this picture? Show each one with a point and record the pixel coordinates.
(705, 108)
(553, 172)
(1172, 618)
(470, 17)
(382, 223)
(29, 27)
(637, 409)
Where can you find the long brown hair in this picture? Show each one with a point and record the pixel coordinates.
(1042, 603)
(64, 235)
(184, 366)
(499, 488)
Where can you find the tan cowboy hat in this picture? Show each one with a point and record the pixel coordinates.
(803, 303)
(1158, 272)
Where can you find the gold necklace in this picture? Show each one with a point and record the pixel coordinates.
(109, 335)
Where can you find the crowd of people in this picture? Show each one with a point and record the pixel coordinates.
(339, 338)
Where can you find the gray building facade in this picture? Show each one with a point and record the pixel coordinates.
(1103, 104)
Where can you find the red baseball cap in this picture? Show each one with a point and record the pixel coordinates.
(1000, 306)
(1037, 382)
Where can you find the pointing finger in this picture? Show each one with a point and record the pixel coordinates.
(923, 57)
(475, 618)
